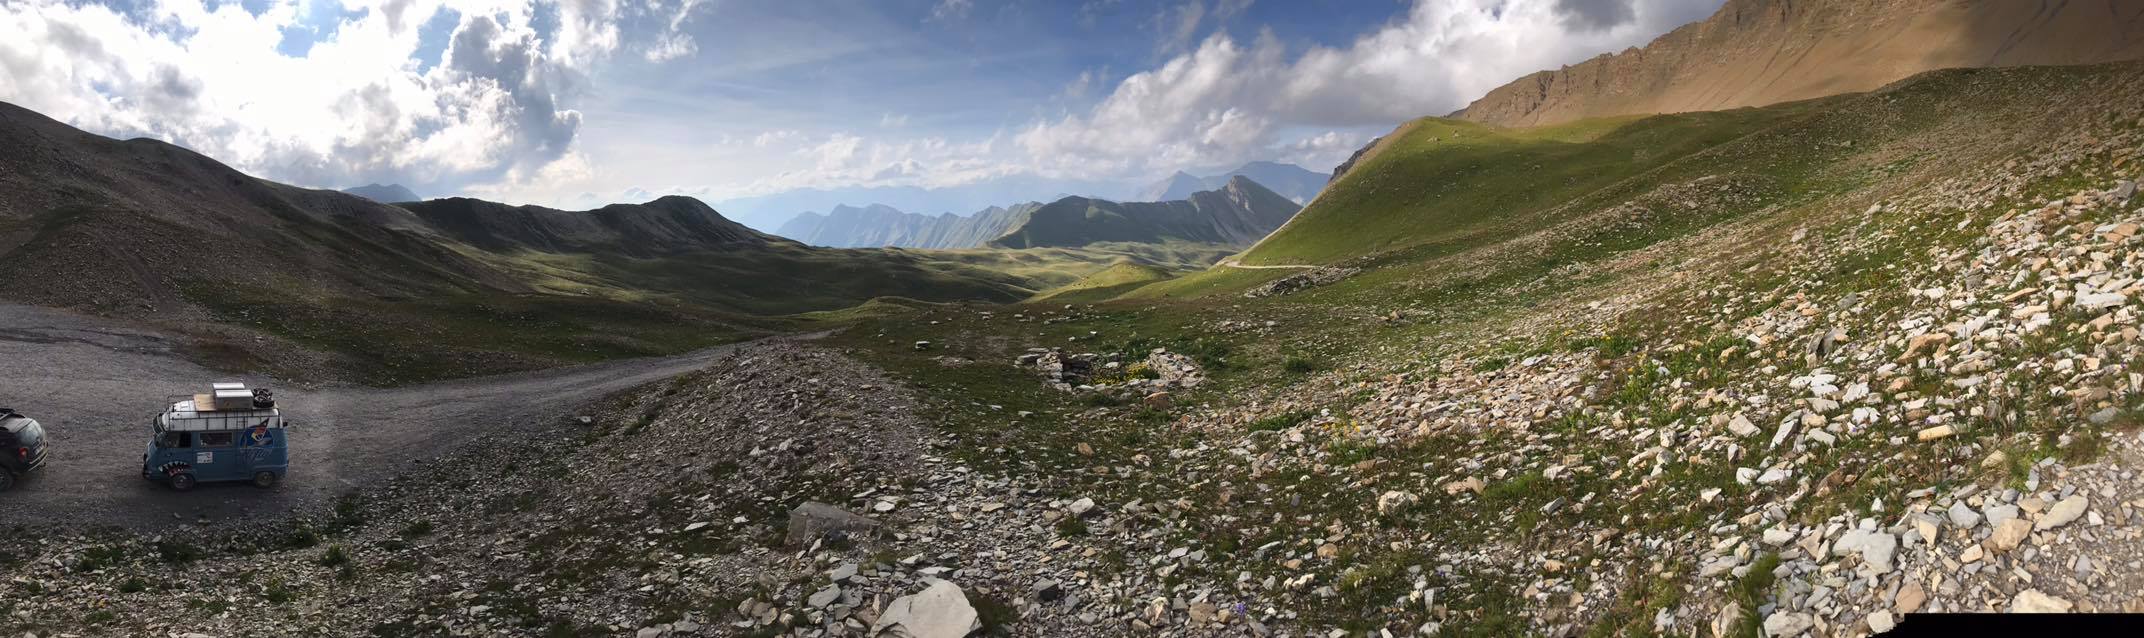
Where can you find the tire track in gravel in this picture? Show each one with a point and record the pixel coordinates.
(95, 383)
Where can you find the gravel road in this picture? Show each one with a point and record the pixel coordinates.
(95, 384)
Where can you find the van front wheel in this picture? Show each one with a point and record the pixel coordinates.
(182, 481)
(7, 480)
(264, 480)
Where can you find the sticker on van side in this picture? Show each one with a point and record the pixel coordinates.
(203, 458)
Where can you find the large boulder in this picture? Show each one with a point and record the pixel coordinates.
(939, 611)
(812, 520)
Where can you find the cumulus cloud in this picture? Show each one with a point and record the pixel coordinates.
(1225, 101)
(358, 104)
(673, 42)
(1322, 151)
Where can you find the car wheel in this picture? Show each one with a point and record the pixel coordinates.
(183, 481)
(7, 480)
(264, 480)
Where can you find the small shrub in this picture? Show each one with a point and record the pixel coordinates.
(177, 551)
(1281, 421)
(278, 593)
(996, 617)
(1298, 365)
(417, 529)
(1071, 526)
(300, 536)
(133, 584)
(336, 556)
(349, 512)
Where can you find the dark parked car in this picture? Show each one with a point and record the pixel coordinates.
(22, 447)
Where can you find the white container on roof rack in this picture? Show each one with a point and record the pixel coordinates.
(183, 416)
(225, 396)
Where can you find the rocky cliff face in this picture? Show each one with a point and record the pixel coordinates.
(1757, 52)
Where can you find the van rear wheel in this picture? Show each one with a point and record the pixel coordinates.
(264, 480)
(183, 481)
(7, 480)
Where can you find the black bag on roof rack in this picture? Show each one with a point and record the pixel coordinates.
(263, 398)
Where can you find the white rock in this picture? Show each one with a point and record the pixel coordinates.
(2099, 300)
(1774, 475)
(1881, 621)
(1741, 426)
(939, 611)
(1394, 501)
(1786, 624)
(824, 597)
(2033, 601)
(2063, 512)
(1876, 549)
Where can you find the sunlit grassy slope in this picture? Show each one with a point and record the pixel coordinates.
(1440, 180)
(1106, 283)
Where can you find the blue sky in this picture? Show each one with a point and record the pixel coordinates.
(583, 102)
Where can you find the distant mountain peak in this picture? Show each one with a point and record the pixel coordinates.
(1293, 182)
(1239, 212)
(384, 193)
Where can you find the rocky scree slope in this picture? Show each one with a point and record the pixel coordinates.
(665, 505)
(1758, 52)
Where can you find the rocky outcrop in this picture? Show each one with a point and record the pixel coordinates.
(1758, 52)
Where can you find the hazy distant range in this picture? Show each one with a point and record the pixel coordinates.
(767, 213)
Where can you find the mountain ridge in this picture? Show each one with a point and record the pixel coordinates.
(1759, 52)
(1290, 181)
(667, 224)
(384, 193)
(1238, 214)
(879, 225)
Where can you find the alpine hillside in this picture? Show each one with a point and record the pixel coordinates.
(1758, 52)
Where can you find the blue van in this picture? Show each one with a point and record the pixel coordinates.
(228, 434)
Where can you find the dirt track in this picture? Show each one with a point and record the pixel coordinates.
(95, 383)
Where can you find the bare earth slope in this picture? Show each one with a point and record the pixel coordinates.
(1758, 52)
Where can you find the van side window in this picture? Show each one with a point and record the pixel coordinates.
(216, 439)
(175, 440)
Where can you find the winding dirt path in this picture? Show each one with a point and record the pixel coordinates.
(1235, 264)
